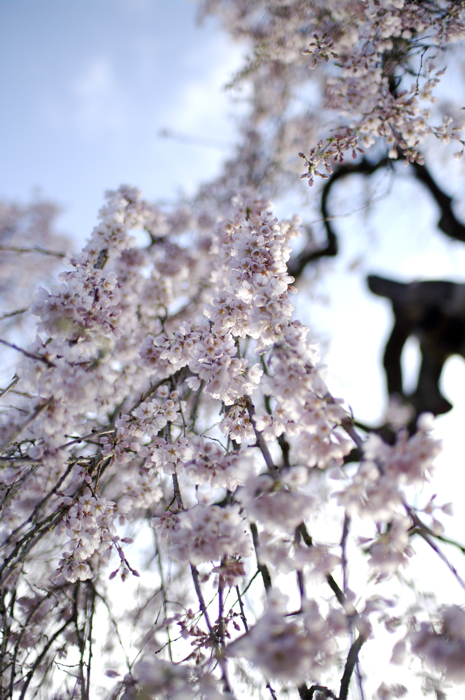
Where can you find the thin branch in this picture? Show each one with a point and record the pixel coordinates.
(84, 438)
(89, 640)
(261, 567)
(113, 622)
(27, 423)
(10, 386)
(446, 540)
(31, 538)
(448, 222)
(177, 491)
(23, 547)
(164, 593)
(203, 607)
(14, 313)
(261, 442)
(35, 249)
(345, 534)
(150, 392)
(340, 596)
(351, 662)
(348, 425)
(310, 254)
(25, 628)
(272, 692)
(242, 609)
(37, 508)
(192, 140)
(39, 658)
(424, 533)
(33, 356)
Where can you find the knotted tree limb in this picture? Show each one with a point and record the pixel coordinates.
(310, 254)
(448, 223)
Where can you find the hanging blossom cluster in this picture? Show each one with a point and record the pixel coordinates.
(286, 648)
(372, 65)
(89, 525)
(218, 426)
(377, 487)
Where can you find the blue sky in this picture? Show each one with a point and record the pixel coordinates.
(87, 85)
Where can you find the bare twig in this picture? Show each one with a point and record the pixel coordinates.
(203, 607)
(10, 386)
(40, 657)
(424, 533)
(28, 422)
(345, 534)
(35, 249)
(33, 356)
(14, 313)
(261, 567)
(261, 442)
(351, 662)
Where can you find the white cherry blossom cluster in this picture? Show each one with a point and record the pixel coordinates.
(290, 649)
(90, 526)
(207, 534)
(373, 64)
(237, 423)
(442, 643)
(376, 490)
(123, 407)
(271, 503)
(165, 680)
(285, 554)
(146, 421)
(254, 283)
(31, 250)
(304, 407)
(211, 358)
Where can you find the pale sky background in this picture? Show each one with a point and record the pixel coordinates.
(86, 87)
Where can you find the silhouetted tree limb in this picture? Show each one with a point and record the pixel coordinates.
(352, 658)
(309, 693)
(448, 223)
(434, 312)
(310, 254)
(351, 662)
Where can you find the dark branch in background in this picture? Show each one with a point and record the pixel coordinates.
(433, 311)
(448, 223)
(351, 662)
(309, 693)
(309, 254)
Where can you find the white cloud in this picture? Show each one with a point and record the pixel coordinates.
(202, 104)
(92, 103)
(98, 102)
